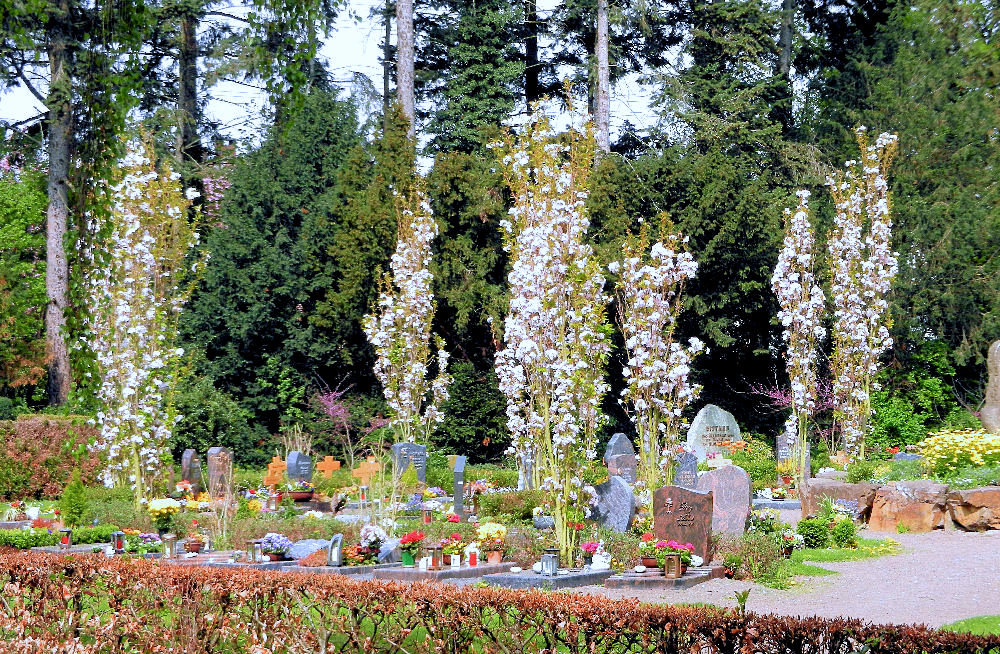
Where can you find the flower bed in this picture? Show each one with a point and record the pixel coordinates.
(255, 611)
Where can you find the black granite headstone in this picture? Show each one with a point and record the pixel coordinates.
(459, 482)
(299, 466)
(405, 454)
(615, 505)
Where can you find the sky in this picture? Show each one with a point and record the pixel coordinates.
(354, 46)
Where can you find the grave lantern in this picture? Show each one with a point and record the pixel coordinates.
(550, 562)
(437, 555)
(672, 566)
(66, 540)
(472, 555)
(427, 516)
(118, 541)
(334, 553)
(364, 494)
(272, 502)
(169, 546)
(255, 551)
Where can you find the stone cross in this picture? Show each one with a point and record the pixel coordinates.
(191, 469)
(275, 471)
(366, 470)
(990, 415)
(685, 516)
(711, 428)
(406, 454)
(327, 466)
(220, 470)
(458, 469)
(299, 466)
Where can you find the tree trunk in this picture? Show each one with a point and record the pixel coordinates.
(531, 90)
(783, 108)
(189, 152)
(404, 61)
(386, 65)
(59, 103)
(602, 110)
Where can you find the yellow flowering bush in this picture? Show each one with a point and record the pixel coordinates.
(162, 511)
(254, 506)
(946, 451)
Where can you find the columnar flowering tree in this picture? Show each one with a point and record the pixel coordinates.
(136, 285)
(400, 327)
(650, 299)
(801, 315)
(555, 343)
(863, 267)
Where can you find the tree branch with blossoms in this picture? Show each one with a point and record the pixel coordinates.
(555, 336)
(801, 314)
(136, 286)
(657, 387)
(863, 268)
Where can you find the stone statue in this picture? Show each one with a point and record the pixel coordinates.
(990, 414)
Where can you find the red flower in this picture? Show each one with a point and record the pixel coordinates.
(452, 517)
(648, 536)
(456, 536)
(579, 526)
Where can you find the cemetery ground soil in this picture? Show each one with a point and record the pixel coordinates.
(939, 578)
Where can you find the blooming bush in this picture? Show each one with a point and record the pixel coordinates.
(411, 542)
(162, 511)
(491, 536)
(273, 543)
(372, 536)
(946, 451)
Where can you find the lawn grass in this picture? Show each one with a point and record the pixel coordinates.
(867, 549)
(984, 625)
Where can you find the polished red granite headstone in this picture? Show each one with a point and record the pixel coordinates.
(731, 486)
(685, 516)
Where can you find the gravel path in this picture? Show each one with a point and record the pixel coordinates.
(939, 578)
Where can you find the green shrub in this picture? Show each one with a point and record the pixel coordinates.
(517, 504)
(23, 539)
(866, 471)
(439, 473)
(498, 476)
(815, 532)
(73, 503)
(845, 534)
(210, 418)
(114, 506)
(758, 460)
(475, 415)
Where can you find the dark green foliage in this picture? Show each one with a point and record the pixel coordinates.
(24, 539)
(475, 422)
(861, 471)
(73, 503)
(844, 534)
(815, 532)
(498, 476)
(516, 505)
(209, 418)
(438, 472)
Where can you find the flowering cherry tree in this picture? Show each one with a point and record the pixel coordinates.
(400, 327)
(657, 390)
(136, 285)
(555, 343)
(801, 314)
(863, 268)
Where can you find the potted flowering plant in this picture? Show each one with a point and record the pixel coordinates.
(195, 541)
(779, 493)
(372, 538)
(791, 541)
(300, 490)
(665, 547)
(589, 549)
(453, 547)
(276, 546)
(162, 511)
(410, 546)
(647, 550)
(491, 536)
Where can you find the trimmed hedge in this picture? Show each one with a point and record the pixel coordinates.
(38, 455)
(24, 539)
(88, 604)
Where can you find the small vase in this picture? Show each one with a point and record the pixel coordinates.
(684, 569)
(495, 556)
(588, 560)
(408, 560)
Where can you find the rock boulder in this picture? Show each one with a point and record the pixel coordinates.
(977, 509)
(917, 505)
(815, 490)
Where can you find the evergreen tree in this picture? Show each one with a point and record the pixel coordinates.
(73, 503)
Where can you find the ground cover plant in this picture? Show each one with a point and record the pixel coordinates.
(141, 606)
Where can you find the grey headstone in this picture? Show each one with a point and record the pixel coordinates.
(524, 474)
(220, 468)
(786, 446)
(405, 454)
(686, 471)
(390, 552)
(730, 486)
(459, 485)
(990, 413)
(906, 456)
(619, 444)
(624, 466)
(544, 522)
(299, 466)
(711, 427)
(615, 505)
(191, 469)
(335, 546)
(303, 548)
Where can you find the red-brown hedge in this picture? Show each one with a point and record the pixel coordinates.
(88, 604)
(37, 455)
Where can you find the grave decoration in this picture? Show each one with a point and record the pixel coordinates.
(711, 432)
(275, 546)
(491, 537)
(685, 516)
(410, 545)
(335, 551)
(731, 492)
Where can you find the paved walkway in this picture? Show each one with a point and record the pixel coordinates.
(939, 578)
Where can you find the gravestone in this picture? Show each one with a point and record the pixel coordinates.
(785, 446)
(730, 487)
(191, 469)
(709, 429)
(334, 550)
(624, 466)
(990, 415)
(327, 466)
(686, 471)
(299, 465)
(619, 444)
(684, 515)
(524, 473)
(405, 454)
(220, 470)
(459, 481)
(366, 470)
(615, 507)
(303, 548)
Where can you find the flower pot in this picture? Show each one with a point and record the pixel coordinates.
(588, 559)
(788, 551)
(494, 557)
(193, 546)
(684, 569)
(650, 562)
(302, 496)
(408, 560)
(274, 556)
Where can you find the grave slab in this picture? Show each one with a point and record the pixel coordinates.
(446, 572)
(339, 569)
(575, 578)
(790, 505)
(655, 578)
(685, 516)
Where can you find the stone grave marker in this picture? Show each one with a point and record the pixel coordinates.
(615, 505)
(990, 415)
(619, 444)
(220, 470)
(406, 454)
(785, 446)
(300, 466)
(710, 428)
(524, 472)
(333, 550)
(366, 470)
(191, 469)
(275, 471)
(303, 548)
(686, 471)
(730, 487)
(327, 466)
(906, 456)
(684, 515)
(624, 466)
(458, 469)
